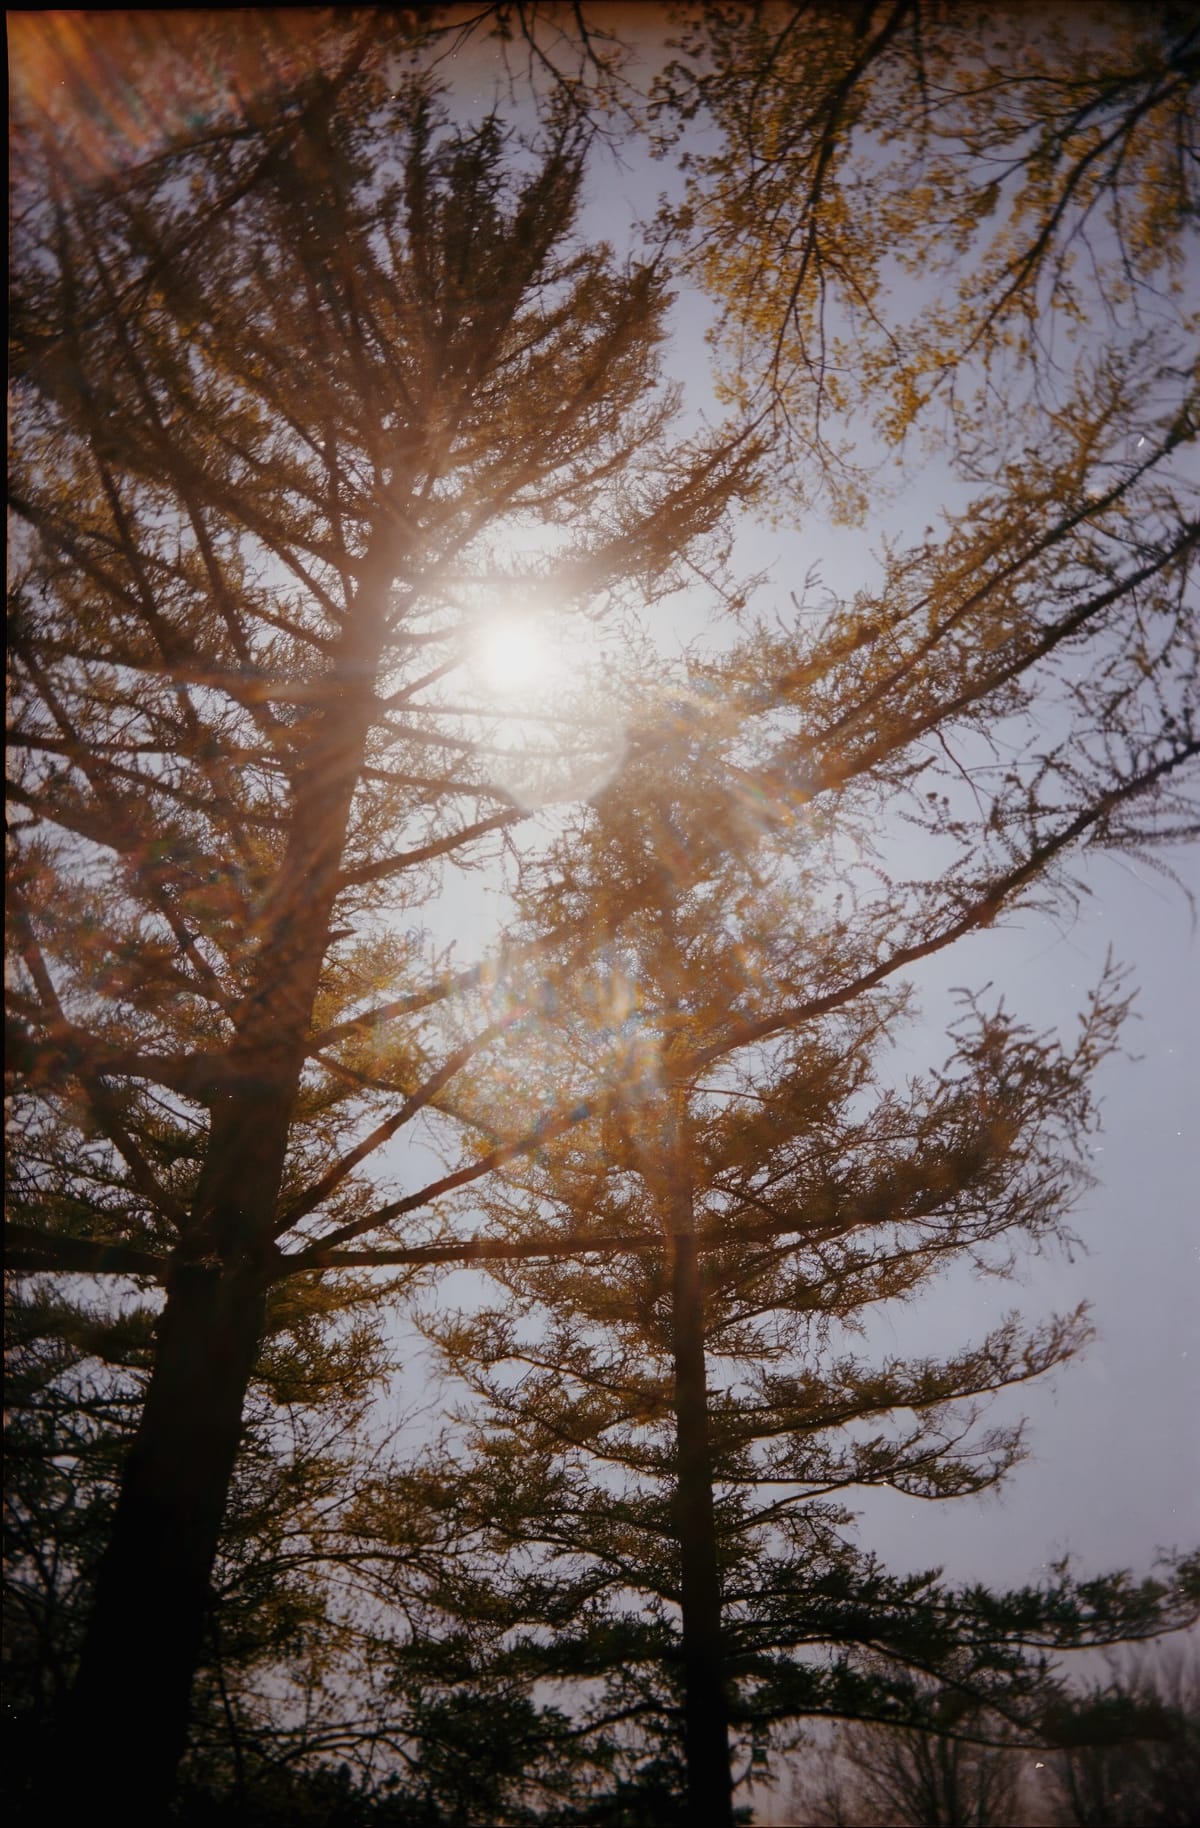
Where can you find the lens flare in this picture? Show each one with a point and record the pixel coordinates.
(512, 654)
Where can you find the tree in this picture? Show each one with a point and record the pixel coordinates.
(660, 1445)
(282, 1678)
(1132, 1749)
(977, 634)
(941, 1779)
(281, 399)
(916, 217)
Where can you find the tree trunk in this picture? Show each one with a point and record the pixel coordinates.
(127, 1720)
(706, 1720)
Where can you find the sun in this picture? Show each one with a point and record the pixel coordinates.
(555, 729)
(511, 654)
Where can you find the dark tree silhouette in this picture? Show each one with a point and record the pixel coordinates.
(1131, 1747)
(280, 1634)
(945, 1778)
(685, 1421)
(280, 400)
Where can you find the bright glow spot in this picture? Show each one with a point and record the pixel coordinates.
(512, 653)
(538, 677)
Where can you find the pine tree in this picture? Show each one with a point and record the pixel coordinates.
(281, 399)
(282, 1678)
(661, 1443)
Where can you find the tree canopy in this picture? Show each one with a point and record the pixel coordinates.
(915, 218)
(315, 386)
